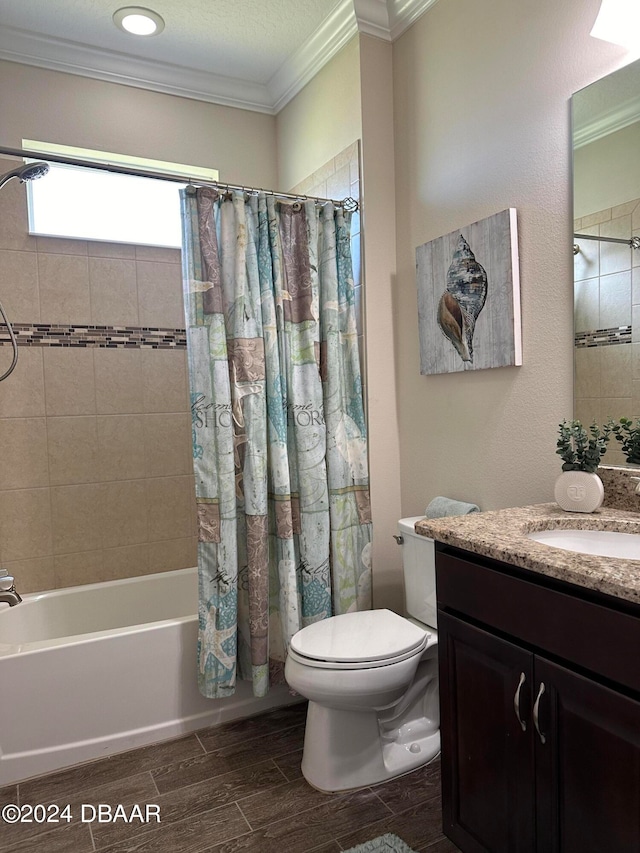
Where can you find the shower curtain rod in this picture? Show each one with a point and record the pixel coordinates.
(349, 204)
(634, 242)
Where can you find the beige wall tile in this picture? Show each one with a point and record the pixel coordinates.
(635, 361)
(98, 249)
(346, 155)
(160, 295)
(128, 561)
(124, 519)
(625, 209)
(586, 305)
(73, 450)
(33, 575)
(615, 257)
(588, 410)
(14, 226)
(79, 568)
(167, 445)
(173, 554)
(22, 393)
(69, 381)
(114, 293)
(164, 374)
(586, 361)
(615, 300)
(596, 218)
(118, 376)
(23, 456)
(586, 264)
(171, 508)
(635, 286)
(616, 366)
(160, 254)
(25, 524)
(635, 399)
(61, 246)
(615, 456)
(339, 183)
(77, 515)
(121, 447)
(635, 323)
(64, 288)
(615, 407)
(19, 286)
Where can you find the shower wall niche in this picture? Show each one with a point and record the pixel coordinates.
(96, 478)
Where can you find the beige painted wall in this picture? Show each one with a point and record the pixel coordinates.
(352, 97)
(482, 123)
(322, 120)
(379, 241)
(56, 107)
(607, 172)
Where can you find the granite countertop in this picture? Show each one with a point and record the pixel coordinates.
(502, 534)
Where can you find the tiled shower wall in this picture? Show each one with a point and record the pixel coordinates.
(607, 320)
(96, 477)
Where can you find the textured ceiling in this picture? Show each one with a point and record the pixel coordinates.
(246, 39)
(252, 54)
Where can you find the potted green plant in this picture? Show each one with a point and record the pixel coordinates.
(628, 434)
(579, 488)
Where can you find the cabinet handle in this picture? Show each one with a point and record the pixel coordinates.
(516, 702)
(536, 719)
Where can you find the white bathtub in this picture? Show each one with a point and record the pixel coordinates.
(92, 670)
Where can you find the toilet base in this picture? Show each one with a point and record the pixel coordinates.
(344, 750)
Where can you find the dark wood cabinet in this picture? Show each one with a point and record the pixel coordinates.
(540, 747)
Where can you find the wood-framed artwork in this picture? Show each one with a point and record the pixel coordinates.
(469, 297)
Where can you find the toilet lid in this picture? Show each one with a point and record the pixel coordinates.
(368, 635)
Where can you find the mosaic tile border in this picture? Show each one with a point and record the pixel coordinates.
(104, 337)
(603, 337)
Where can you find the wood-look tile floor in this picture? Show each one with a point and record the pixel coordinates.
(230, 788)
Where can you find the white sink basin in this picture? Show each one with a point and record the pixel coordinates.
(604, 543)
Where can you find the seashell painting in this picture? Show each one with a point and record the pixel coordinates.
(469, 297)
(463, 299)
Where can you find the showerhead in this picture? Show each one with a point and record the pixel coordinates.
(28, 172)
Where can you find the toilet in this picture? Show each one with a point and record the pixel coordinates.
(371, 678)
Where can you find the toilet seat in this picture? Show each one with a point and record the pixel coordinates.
(360, 640)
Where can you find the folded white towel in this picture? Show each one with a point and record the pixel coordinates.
(441, 507)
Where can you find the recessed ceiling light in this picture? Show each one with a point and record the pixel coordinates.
(138, 21)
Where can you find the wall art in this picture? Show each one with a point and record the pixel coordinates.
(469, 297)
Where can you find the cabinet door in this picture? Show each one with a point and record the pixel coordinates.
(588, 769)
(487, 757)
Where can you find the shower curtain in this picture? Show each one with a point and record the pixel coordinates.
(279, 435)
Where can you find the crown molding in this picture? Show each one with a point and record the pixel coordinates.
(73, 58)
(384, 19)
(403, 13)
(621, 116)
(332, 35)
(372, 17)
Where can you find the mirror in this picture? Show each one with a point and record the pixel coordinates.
(606, 197)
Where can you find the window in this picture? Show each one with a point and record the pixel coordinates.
(91, 204)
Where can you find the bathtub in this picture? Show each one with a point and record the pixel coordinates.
(89, 671)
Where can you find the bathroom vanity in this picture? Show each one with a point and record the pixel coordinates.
(539, 685)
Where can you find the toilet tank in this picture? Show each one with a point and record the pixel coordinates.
(419, 567)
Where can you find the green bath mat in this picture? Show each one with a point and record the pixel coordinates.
(383, 844)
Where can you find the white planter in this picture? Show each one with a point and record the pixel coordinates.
(579, 491)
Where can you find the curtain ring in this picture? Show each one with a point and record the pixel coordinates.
(296, 206)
